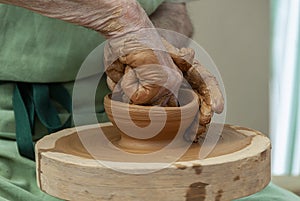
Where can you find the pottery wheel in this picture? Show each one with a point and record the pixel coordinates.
(238, 166)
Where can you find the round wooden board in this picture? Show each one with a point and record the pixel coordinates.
(239, 165)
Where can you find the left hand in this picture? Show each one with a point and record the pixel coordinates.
(202, 82)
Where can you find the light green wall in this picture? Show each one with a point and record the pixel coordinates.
(236, 34)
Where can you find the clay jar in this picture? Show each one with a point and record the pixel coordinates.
(150, 128)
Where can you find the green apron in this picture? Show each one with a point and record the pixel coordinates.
(37, 50)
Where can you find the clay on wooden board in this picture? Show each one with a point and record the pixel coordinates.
(239, 165)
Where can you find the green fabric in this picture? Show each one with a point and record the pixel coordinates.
(30, 100)
(17, 176)
(35, 48)
(7, 117)
(38, 49)
(24, 116)
(272, 193)
(150, 6)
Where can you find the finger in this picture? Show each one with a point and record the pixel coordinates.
(140, 58)
(205, 114)
(183, 57)
(115, 71)
(167, 99)
(200, 135)
(129, 83)
(173, 102)
(151, 85)
(196, 81)
(111, 84)
(206, 84)
(205, 111)
(137, 93)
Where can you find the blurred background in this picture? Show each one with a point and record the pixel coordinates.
(236, 34)
(255, 45)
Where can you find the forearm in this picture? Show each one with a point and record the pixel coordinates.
(109, 17)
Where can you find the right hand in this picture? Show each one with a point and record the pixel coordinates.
(139, 62)
(143, 68)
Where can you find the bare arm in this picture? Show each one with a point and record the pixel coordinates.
(109, 17)
(122, 21)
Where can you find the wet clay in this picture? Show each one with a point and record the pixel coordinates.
(239, 165)
(230, 141)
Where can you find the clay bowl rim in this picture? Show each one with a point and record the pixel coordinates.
(186, 111)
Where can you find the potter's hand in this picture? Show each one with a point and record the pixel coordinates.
(210, 95)
(140, 64)
(144, 70)
(202, 82)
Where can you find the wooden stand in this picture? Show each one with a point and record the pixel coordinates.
(239, 165)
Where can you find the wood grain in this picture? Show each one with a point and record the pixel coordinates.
(238, 166)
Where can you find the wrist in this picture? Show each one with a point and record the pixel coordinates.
(127, 16)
